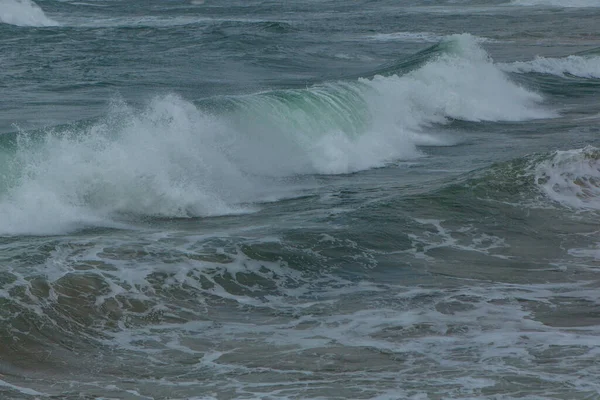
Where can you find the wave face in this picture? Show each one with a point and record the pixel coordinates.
(177, 159)
(23, 13)
(583, 67)
(572, 178)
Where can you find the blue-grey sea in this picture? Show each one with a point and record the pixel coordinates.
(304, 199)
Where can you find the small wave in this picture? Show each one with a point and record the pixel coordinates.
(142, 22)
(572, 177)
(23, 13)
(583, 67)
(558, 3)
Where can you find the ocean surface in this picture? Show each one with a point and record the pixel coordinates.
(307, 199)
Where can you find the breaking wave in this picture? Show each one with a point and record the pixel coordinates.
(23, 13)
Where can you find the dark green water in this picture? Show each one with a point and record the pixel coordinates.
(308, 200)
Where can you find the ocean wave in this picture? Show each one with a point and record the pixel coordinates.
(583, 67)
(147, 21)
(572, 178)
(176, 159)
(542, 181)
(23, 13)
(419, 37)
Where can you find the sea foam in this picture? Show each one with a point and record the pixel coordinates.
(23, 13)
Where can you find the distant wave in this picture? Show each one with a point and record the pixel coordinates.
(426, 37)
(558, 3)
(584, 67)
(23, 13)
(178, 159)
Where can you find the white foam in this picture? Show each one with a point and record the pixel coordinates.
(138, 22)
(572, 178)
(584, 67)
(23, 13)
(558, 3)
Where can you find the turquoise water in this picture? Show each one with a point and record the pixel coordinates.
(309, 200)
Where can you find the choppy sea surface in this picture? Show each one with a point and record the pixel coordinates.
(309, 199)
